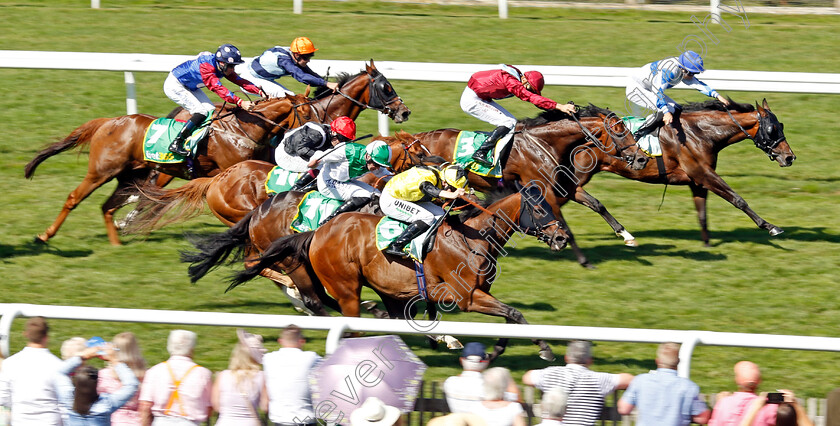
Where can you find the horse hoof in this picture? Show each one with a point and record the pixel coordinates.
(39, 240)
(776, 231)
(368, 305)
(453, 343)
(631, 243)
(547, 355)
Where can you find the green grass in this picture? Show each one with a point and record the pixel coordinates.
(746, 282)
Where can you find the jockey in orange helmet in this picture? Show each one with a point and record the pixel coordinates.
(484, 87)
(280, 61)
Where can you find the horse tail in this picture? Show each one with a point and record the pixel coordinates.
(215, 249)
(156, 204)
(78, 137)
(293, 249)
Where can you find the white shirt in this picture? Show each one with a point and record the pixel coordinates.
(464, 391)
(27, 386)
(586, 388)
(550, 422)
(287, 380)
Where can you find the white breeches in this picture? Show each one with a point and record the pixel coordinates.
(487, 111)
(270, 87)
(643, 100)
(194, 101)
(289, 162)
(409, 212)
(344, 190)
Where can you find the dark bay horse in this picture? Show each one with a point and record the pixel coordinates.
(116, 151)
(690, 154)
(541, 152)
(341, 257)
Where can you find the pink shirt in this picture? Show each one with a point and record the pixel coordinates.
(238, 403)
(194, 391)
(127, 415)
(730, 410)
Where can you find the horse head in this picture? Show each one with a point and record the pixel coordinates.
(625, 145)
(770, 136)
(382, 96)
(536, 218)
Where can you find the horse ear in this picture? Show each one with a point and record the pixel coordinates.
(306, 92)
(764, 103)
(758, 107)
(372, 66)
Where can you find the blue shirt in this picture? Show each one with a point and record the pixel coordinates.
(662, 398)
(100, 411)
(277, 62)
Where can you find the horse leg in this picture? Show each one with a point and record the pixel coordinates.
(484, 303)
(584, 198)
(285, 284)
(581, 258)
(135, 197)
(716, 184)
(118, 199)
(89, 184)
(700, 194)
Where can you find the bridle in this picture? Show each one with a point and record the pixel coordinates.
(762, 139)
(378, 99)
(597, 142)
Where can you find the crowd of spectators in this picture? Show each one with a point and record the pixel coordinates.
(38, 388)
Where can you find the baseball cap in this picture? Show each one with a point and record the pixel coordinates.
(474, 349)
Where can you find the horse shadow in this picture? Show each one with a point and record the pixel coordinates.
(8, 252)
(749, 234)
(613, 251)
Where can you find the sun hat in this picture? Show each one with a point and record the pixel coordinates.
(253, 342)
(374, 412)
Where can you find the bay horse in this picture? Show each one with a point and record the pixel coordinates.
(690, 154)
(341, 257)
(116, 151)
(540, 152)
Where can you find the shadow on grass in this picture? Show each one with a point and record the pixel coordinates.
(536, 306)
(33, 249)
(752, 235)
(612, 251)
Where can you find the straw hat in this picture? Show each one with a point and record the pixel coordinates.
(374, 412)
(253, 342)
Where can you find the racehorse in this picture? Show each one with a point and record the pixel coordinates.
(230, 195)
(342, 257)
(541, 151)
(690, 154)
(116, 151)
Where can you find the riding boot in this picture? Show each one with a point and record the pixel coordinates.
(413, 230)
(177, 146)
(480, 155)
(305, 183)
(649, 126)
(350, 205)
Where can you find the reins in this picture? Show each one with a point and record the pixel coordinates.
(593, 139)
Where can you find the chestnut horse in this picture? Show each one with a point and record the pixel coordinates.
(341, 257)
(230, 195)
(690, 155)
(116, 151)
(540, 152)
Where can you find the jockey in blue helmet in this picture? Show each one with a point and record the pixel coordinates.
(646, 87)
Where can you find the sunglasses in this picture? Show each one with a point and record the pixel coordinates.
(306, 57)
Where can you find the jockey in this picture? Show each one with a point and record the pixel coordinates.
(279, 61)
(486, 86)
(341, 165)
(407, 197)
(647, 85)
(300, 144)
(183, 85)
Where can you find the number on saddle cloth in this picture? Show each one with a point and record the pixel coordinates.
(312, 209)
(388, 229)
(161, 133)
(468, 142)
(280, 180)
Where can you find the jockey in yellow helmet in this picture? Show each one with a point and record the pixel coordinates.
(407, 197)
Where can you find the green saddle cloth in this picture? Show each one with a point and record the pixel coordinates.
(160, 135)
(312, 209)
(280, 180)
(467, 143)
(387, 230)
(648, 143)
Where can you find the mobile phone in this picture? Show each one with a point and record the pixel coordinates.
(775, 398)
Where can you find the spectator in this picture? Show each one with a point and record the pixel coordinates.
(663, 397)
(494, 409)
(27, 379)
(788, 413)
(128, 352)
(176, 391)
(84, 405)
(731, 408)
(465, 390)
(553, 407)
(458, 419)
(374, 412)
(287, 380)
(238, 393)
(72, 347)
(832, 412)
(586, 388)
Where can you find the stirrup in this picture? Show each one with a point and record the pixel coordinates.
(482, 159)
(177, 148)
(395, 252)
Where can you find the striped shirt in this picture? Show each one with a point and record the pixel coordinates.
(587, 390)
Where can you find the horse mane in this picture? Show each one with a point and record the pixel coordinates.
(716, 105)
(490, 197)
(341, 78)
(552, 115)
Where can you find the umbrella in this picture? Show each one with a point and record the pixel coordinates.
(380, 366)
